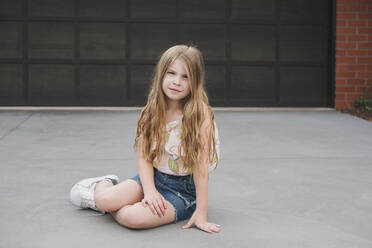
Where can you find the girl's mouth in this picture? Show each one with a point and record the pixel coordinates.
(174, 90)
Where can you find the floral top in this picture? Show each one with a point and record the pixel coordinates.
(170, 162)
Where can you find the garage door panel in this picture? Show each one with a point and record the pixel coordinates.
(51, 84)
(209, 38)
(303, 43)
(303, 85)
(215, 76)
(11, 86)
(102, 84)
(11, 45)
(102, 40)
(252, 83)
(315, 11)
(253, 9)
(99, 8)
(52, 40)
(11, 8)
(149, 40)
(253, 42)
(55, 8)
(141, 79)
(207, 9)
(94, 52)
(153, 9)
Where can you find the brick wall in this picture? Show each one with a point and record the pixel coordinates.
(353, 70)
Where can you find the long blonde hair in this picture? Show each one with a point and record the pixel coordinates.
(195, 108)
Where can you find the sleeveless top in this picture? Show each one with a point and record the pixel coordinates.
(170, 161)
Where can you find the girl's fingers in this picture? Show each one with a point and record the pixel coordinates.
(151, 207)
(215, 229)
(156, 206)
(161, 206)
(164, 202)
(207, 229)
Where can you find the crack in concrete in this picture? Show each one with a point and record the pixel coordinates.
(15, 128)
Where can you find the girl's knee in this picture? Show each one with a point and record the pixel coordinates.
(103, 202)
(128, 217)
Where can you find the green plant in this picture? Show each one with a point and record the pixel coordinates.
(365, 101)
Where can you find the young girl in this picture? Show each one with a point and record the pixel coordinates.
(172, 180)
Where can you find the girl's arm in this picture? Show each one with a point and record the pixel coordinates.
(199, 216)
(152, 197)
(145, 171)
(146, 174)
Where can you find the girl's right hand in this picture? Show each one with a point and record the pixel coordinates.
(155, 201)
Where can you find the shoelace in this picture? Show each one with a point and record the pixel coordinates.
(87, 199)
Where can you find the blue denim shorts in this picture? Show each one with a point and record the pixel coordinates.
(178, 190)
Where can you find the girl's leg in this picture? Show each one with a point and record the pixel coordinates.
(109, 197)
(137, 216)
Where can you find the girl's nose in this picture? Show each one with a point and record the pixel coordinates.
(177, 80)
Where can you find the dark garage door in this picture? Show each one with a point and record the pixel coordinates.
(102, 52)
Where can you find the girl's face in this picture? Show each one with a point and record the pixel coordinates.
(176, 85)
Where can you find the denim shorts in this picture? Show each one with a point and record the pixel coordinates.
(178, 190)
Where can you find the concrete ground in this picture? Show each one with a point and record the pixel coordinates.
(300, 178)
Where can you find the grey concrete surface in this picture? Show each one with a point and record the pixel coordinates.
(285, 179)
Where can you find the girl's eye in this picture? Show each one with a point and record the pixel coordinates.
(171, 72)
(185, 76)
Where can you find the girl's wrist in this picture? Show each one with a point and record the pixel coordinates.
(201, 211)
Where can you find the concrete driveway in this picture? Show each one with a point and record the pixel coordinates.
(287, 178)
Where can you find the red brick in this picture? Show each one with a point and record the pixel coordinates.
(369, 23)
(340, 23)
(350, 67)
(367, 16)
(342, 44)
(348, 16)
(346, 30)
(340, 52)
(369, 67)
(357, 37)
(345, 74)
(353, 96)
(345, 59)
(341, 37)
(364, 60)
(351, 8)
(361, 89)
(356, 81)
(365, 30)
(340, 81)
(359, 23)
(344, 88)
(369, 52)
(340, 96)
(361, 2)
(357, 52)
(365, 74)
(364, 44)
(339, 104)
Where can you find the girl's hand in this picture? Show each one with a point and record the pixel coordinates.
(200, 220)
(155, 201)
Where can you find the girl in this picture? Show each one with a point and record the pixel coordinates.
(172, 180)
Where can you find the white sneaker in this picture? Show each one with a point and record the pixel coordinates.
(82, 193)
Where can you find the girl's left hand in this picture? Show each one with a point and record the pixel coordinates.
(200, 220)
